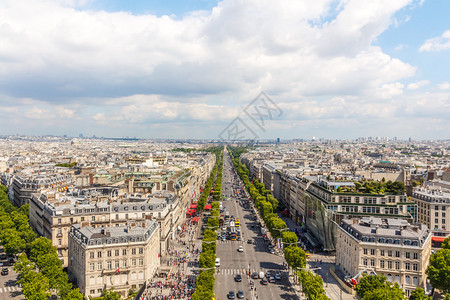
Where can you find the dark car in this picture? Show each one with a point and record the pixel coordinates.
(278, 276)
(238, 278)
(239, 238)
(240, 294)
(264, 281)
(269, 274)
(3, 256)
(255, 275)
(271, 279)
(249, 241)
(5, 271)
(231, 295)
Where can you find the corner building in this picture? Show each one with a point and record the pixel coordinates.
(391, 247)
(120, 257)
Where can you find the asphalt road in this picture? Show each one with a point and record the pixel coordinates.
(9, 289)
(255, 257)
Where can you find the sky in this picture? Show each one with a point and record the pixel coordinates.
(225, 69)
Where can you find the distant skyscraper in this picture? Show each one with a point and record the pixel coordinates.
(278, 140)
(80, 135)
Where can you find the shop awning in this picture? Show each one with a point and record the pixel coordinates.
(193, 206)
(207, 207)
(195, 220)
(438, 238)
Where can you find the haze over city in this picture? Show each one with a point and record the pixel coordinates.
(186, 69)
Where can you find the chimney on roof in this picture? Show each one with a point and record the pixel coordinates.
(355, 221)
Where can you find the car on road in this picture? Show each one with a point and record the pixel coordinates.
(231, 295)
(240, 294)
(5, 271)
(264, 281)
(271, 279)
(3, 256)
(269, 274)
(249, 241)
(218, 262)
(240, 249)
(238, 278)
(272, 251)
(239, 238)
(255, 275)
(278, 276)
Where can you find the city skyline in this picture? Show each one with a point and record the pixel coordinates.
(187, 69)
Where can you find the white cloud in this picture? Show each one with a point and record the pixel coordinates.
(128, 72)
(444, 85)
(437, 44)
(418, 84)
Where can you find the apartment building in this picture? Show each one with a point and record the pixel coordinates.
(391, 247)
(53, 215)
(121, 257)
(433, 208)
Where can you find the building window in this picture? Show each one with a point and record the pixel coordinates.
(443, 221)
(92, 254)
(436, 220)
(415, 267)
(436, 214)
(415, 281)
(389, 264)
(397, 265)
(124, 252)
(372, 251)
(82, 218)
(390, 253)
(59, 242)
(109, 253)
(124, 263)
(109, 265)
(407, 266)
(397, 253)
(382, 252)
(133, 262)
(408, 255)
(372, 262)
(133, 251)
(92, 292)
(365, 251)
(116, 252)
(99, 266)
(408, 279)
(382, 264)
(93, 218)
(141, 250)
(59, 230)
(117, 217)
(59, 221)
(99, 254)
(91, 267)
(116, 264)
(141, 261)
(416, 255)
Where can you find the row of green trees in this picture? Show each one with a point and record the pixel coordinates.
(208, 186)
(204, 286)
(266, 205)
(40, 270)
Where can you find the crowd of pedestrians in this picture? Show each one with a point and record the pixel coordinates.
(176, 283)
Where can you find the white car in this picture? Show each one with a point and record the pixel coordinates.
(217, 262)
(241, 249)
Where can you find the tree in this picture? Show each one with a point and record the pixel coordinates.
(110, 295)
(35, 286)
(295, 257)
(289, 238)
(446, 243)
(312, 285)
(369, 283)
(40, 247)
(386, 292)
(439, 270)
(419, 294)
